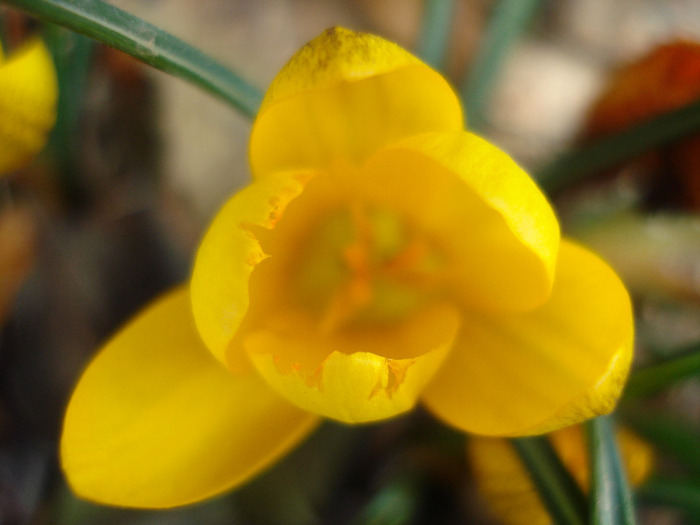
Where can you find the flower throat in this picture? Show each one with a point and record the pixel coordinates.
(363, 264)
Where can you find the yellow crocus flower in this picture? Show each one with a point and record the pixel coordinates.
(28, 93)
(508, 490)
(381, 257)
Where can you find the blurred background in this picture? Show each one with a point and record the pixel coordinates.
(110, 214)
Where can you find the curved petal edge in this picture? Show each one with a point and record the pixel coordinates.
(156, 422)
(560, 364)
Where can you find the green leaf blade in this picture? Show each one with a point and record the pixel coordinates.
(611, 150)
(435, 33)
(151, 45)
(558, 491)
(509, 20)
(611, 501)
(654, 378)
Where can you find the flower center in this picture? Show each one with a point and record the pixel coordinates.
(364, 264)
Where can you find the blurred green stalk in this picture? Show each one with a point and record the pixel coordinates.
(508, 21)
(611, 500)
(435, 33)
(147, 43)
(558, 491)
(614, 149)
(72, 55)
(654, 378)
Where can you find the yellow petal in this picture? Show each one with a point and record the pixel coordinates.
(555, 366)
(28, 92)
(497, 231)
(228, 254)
(344, 95)
(354, 377)
(156, 422)
(506, 486)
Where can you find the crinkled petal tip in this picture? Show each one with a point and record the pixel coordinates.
(343, 96)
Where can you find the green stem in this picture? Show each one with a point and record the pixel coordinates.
(611, 500)
(614, 149)
(557, 489)
(437, 20)
(653, 378)
(509, 20)
(603, 503)
(72, 56)
(151, 45)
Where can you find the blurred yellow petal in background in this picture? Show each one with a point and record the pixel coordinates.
(28, 94)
